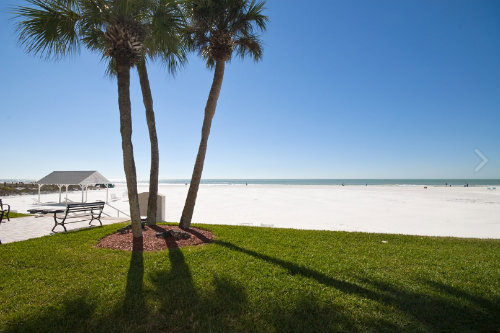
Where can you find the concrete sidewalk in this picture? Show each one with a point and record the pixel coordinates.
(22, 228)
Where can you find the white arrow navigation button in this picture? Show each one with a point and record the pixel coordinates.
(483, 158)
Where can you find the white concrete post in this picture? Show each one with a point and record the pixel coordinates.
(86, 192)
(67, 193)
(60, 186)
(83, 187)
(107, 188)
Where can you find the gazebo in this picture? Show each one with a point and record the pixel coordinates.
(66, 178)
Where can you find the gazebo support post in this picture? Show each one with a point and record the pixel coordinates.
(67, 194)
(60, 186)
(86, 192)
(107, 188)
(83, 188)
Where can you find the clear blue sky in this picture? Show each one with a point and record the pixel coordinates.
(346, 89)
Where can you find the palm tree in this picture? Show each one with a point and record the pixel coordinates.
(120, 30)
(153, 138)
(164, 42)
(217, 28)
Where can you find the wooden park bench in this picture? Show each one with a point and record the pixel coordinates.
(4, 211)
(78, 210)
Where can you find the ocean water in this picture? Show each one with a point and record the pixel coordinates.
(401, 182)
(347, 182)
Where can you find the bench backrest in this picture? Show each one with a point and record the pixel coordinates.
(81, 207)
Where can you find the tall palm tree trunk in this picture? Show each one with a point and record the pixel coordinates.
(187, 213)
(155, 155)
(123, 78)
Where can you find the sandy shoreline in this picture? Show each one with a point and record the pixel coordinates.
(436, 211)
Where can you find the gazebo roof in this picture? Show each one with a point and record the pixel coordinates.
(73, 178)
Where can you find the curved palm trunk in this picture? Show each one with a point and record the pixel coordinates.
(123, 75)
(155, 156)
(187, 213)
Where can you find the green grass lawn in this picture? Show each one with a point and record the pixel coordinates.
(13, 215)
(252, 280)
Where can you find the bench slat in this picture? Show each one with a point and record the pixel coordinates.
(82, 209)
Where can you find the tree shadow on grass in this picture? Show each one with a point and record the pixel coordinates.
(225, 308)
(76, 310)
(296, 269)
(184, 308)
(134, 304)
(310, 314)
(445, 308)
(474, 300)
(425, 311)
(175, 303)
(71, 315)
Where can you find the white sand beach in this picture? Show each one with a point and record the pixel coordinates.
(436, 211)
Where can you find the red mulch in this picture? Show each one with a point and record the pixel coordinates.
(150, 242)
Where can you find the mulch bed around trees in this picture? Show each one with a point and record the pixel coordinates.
(150, 242)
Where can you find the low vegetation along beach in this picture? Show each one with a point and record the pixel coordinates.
(252, 279)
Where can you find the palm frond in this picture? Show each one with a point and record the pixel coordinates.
(111, 70)
(249, 45)
(56, 28)
(239, 19)
(166, 40)
(49, 28)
